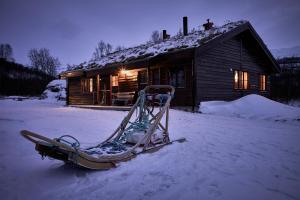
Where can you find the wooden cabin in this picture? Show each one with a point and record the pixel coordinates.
(217, 63)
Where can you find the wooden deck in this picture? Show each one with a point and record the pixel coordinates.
(99, 107)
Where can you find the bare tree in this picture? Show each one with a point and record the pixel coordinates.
(119, 48)
(179, 33)
(99, 51)
(155, 37)
(43, 61)
(6, 52)
(108, 48)
(102, 49)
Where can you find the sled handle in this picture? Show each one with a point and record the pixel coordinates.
(34, 136)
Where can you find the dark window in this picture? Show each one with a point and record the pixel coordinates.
(155, 77)
(241, 80)
(177, 77)
(142, 79)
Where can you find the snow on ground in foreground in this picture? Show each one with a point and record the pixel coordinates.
(223, 158)
(251, 106)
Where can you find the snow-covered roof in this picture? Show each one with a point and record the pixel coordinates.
(151, 49)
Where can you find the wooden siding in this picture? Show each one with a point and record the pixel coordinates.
(184, 59)
(75, 96)
(215, 69)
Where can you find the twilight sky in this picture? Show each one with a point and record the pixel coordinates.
(72, 28)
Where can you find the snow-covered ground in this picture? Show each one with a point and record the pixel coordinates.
(225, 157)
(294, 102)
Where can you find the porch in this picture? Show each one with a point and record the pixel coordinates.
(118, 85)
(101, 107)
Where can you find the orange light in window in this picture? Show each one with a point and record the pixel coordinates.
(125, 72)
(114, 81)
(236, 79)
(245, 80)
(91, 85)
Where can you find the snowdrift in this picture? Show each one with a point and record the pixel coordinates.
(55, 90)
(253, 107)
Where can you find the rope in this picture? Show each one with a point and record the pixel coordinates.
(141, 124)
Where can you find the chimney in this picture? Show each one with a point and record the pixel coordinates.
(165, 35)
(185, 26)
(208, 25)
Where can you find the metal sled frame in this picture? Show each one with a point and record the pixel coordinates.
(58, 150)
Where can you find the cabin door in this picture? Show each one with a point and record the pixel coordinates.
(105, 91)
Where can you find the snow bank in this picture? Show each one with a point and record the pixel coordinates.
(251, 106)
(294, 102)
(55, 91)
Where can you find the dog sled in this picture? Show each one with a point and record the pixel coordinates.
(138, 133)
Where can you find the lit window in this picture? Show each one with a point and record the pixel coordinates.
(177, 77)
(241, 80)
(86, 85)
(91, 85)
(262, 85)
(114, 81)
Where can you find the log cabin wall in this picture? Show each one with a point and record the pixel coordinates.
(162, 66)
(75, 95)
(215, 68)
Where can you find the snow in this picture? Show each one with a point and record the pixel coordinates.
(294, 102)
(251, 107)
(224, 157)
(55, 90)
(151, 49)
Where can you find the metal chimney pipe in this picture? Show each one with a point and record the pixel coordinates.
(185, 26)
(164, 34)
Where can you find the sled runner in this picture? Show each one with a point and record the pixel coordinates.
(139, 133)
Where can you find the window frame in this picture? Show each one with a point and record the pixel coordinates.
(115, 81)
(142, 78)
(240, 80)
(263, 82)
(155, 76)
(176, 71)
(87, 85)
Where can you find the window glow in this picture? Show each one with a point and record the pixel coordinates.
(114, 80)
(262, 85)
(236, 80)
(240, 80)
(125, 72)
(245, 84)
(91, 85)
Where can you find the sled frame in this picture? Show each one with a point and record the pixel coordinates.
(55, 149)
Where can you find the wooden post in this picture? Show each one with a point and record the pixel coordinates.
(167, 121)
(110, 90)
(98, 89)
(68, 91)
